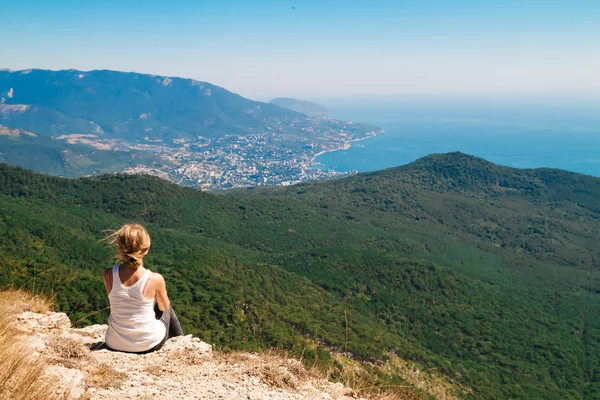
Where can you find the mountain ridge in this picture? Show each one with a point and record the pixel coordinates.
(42, 91)
(65, 90)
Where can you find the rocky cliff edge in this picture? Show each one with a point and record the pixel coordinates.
(185, 368)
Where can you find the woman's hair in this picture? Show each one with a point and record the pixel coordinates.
(133, 243)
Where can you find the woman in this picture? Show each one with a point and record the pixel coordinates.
(135, 325)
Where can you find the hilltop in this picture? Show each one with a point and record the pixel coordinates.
(301, 106)
(486, 275)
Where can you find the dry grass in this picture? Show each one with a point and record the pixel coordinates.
(186, 356)
(67, 352)
(68, 348)
(427, 379)
(279, 369)
(278, 376)
(21, 376)
(103, 376)
(274, 368)
(16, 301)
(365, 384)
(155, 370)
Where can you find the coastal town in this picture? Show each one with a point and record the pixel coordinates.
(272, 157)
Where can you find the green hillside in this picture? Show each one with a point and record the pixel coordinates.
(488, 274)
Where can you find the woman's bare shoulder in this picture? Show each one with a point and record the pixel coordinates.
(157, 281)
(158, 278)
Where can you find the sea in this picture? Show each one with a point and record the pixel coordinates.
(521, 133)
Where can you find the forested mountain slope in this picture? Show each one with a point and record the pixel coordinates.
(126, 105)
(489, 274)
(57, 157)
(132, 106)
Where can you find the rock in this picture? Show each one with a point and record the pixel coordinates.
(186, 348)
(94, 331)
(183, 368)
(37, 348)
(70, 380)
(50, 321)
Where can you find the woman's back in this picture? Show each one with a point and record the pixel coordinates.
(132, 325)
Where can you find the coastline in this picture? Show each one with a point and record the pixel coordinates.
(345, 146)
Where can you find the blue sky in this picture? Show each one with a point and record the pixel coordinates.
(321, 48)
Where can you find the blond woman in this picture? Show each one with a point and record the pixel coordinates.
(141, 317)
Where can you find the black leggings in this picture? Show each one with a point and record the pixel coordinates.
(171, 322)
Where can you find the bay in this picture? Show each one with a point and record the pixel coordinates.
(512, 133)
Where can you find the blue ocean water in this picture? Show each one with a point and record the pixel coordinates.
(522, 134)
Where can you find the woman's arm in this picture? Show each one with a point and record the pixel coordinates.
(162, 299)
(107, 277)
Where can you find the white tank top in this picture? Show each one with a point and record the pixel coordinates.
(132, 325)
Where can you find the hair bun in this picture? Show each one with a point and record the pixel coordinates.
(133, 243)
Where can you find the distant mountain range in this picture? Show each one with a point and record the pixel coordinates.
(128, 105)
(91, 108)
(301, 106)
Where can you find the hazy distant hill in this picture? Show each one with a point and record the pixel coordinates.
(128, 105)
(301, 106)
(485, 274)
(57, 157)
